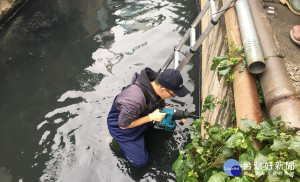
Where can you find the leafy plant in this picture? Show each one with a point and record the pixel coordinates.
(260, 93)
(203, 158)
(223, 103)
(233, 116)
(209, 103)
(225, 63)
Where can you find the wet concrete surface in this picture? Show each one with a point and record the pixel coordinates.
(282, 21)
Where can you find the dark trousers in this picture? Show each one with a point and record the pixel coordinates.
(131, 141)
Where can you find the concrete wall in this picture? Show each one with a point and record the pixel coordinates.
(7, 8)
(5, 5)
(215, 45)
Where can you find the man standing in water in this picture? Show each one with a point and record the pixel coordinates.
(134, 109)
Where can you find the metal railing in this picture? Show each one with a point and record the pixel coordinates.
(191, 33)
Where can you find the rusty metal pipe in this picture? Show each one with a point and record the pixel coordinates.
(280, 96)
(244, 86)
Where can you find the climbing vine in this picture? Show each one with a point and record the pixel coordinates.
(203, 158)
(224, 64)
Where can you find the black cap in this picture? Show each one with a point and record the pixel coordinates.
(171, 79)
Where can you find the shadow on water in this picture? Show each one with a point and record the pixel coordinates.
(61, 65)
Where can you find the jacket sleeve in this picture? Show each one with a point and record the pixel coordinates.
(131, 102)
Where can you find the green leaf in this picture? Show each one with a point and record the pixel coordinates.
(277, 178)
(210, 99)
(192, 179)
(216, 137)
(233, 116)
(216, 128)
(198, 122)
(273, 157)
(223, 103)
(242, 68)
(263, 125)
(294, 144)
(251, 151)
(271, 122)
(194, 134)
(199, 150)
(224, 68)
(209, 103)
(219, 177)
(235, 140)
(180, 175)
(216, 61)
(223, 72)
(240, 48)
(266, 134)
(234, 60)
(261, 158)
(228, 151)
(247, 124)
(227, 132)
(237, 50)
(190, 146)
(181, 152)
(245, 159)
(260, 93)
(219, 161)
(178, 164)
(277, 121)
(278, 144)
(288, 173)
(241, 179)
(229, 77)
(297, 167)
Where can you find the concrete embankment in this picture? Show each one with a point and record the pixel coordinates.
(215, 45)
(8, 8)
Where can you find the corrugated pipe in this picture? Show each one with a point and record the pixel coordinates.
(244, 86)
(280, 96)
(253, 52)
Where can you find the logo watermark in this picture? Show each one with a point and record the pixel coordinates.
(232, 167)
(274, 168)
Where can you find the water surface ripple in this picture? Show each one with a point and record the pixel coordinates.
(62, 64)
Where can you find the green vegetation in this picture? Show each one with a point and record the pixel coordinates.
(203, 158)
(224, 64)
(209, 103)
(260, 93)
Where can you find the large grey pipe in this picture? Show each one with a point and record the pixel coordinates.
(280, 96)
(253, 52)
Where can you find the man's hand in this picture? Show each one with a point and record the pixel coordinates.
(157, 116)
(183, 120)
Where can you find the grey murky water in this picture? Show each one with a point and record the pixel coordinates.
(61, 65)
